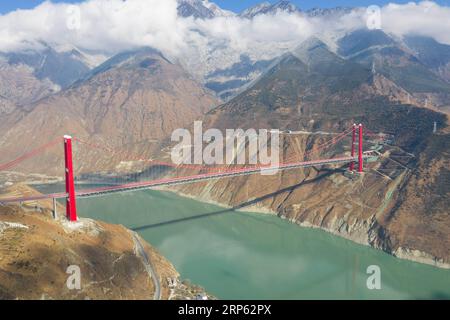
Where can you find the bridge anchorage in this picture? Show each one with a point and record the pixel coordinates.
(204, 173)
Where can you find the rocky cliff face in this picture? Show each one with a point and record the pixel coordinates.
(418, 225)
(36, 252)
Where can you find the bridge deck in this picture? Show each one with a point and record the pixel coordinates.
(188, 179)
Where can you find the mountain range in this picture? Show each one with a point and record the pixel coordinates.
(413, 70)
(133, 99)
(204, 9)
(226, 70)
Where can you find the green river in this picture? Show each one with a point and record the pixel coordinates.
(236, 255)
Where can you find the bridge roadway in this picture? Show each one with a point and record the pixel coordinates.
(188, 179)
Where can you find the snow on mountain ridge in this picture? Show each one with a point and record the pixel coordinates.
(252, 11)
(268, 8)
(91, 60)
(202, 9)
(322, 12)
(219, 12)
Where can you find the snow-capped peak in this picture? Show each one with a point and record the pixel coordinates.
(91, 60)
(255, 10)
(219, 12)
(202, 9)
(268, 8)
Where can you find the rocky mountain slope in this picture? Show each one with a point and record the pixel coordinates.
(400, 204)
(388, 57)
(19, 86)
(29, 75)
(132, 100)
(61, 68)
(433, 54)
(37, 251)
(228, 82)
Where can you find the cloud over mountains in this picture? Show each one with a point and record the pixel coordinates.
(114, 25)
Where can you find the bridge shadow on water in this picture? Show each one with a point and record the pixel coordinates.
(328, 172)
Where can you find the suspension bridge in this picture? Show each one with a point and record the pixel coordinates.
(202, 172)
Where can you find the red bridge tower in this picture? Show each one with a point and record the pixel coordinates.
(71, 206)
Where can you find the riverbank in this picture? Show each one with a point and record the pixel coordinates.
(113, 262)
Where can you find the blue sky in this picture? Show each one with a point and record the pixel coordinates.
(234, 5)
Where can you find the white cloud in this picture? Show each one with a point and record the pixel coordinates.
(109, 25)
(114, 25)
(425, 18)
(279, 28)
